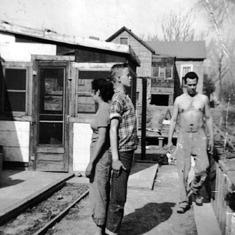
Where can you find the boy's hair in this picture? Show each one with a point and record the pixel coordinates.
(105, 87)
(115, 70)
(190, 75)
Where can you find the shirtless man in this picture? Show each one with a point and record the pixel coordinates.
(194, 115)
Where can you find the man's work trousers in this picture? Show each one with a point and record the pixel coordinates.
(118, 194)
(191, 144)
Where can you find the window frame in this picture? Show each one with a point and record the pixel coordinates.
(17, 65)
(77, 92)
(171, 69)
(181, 71)
(162, 70)
(124, 37)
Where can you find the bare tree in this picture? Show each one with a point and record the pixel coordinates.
(175, 27)
(178, 28)
(220, 49)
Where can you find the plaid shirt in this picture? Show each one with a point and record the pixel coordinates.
(122, 108)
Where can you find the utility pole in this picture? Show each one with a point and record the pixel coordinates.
(143, 118)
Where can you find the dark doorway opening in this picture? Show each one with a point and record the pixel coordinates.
(160, 100)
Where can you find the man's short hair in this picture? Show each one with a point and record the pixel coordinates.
(190, 75)
(115, 70)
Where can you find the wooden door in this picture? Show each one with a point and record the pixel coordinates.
(50, 116)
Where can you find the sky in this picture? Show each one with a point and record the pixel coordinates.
(98, 18)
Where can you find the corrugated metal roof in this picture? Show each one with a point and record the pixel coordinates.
(180, 50)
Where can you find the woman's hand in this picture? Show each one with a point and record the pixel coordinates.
(89, 170)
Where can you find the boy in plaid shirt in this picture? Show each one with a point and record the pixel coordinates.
(123, 138)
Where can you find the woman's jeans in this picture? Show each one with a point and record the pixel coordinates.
(118, 194)
(99, 189)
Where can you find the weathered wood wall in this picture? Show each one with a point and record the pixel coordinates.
(224, 200)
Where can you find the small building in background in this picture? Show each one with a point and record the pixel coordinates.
(46, 105)
(162, 68)
(164, 64)
(189, 56)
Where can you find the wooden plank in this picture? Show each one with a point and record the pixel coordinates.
(50, 150)
(205, 220)
(233, 225)
(56, 219)
(93, 66)
(53, 57)
(50, 166)
(225, 137)
(50, 157)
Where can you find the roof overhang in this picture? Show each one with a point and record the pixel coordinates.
(51, 36)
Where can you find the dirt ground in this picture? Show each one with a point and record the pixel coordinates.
(146, 211)
(36, 217)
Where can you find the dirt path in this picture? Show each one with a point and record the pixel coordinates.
(146, 212)
(154, 212)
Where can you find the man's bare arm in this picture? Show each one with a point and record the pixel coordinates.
(209, 123)
(173, 122)
(114, 138)
(116, 163)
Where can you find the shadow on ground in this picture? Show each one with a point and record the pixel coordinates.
(6, 180)
(140, 167)
(146, 218)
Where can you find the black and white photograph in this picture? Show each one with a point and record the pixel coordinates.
(117, 117)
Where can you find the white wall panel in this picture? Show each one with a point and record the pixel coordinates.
(81, 146)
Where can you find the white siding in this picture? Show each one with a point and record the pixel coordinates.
(22, 51)
(81, 146)
(15, 138)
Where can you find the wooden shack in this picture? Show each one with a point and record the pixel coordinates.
(46, 105)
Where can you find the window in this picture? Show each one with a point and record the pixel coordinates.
(85, 102)
(81, 82)
(14, 89)
(162, 72)
(185, 68)
(124, 40)
(138, 97)
(169, 72)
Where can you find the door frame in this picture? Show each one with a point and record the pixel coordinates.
(50, 62)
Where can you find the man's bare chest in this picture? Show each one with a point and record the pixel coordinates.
(191, 105)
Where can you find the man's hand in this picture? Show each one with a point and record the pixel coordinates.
(117, 166)
(210, 146)
(169, 146)
(89, 170)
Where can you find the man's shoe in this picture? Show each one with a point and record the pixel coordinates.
(198, 200)
(183, 207)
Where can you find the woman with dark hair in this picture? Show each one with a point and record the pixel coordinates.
(99, 167)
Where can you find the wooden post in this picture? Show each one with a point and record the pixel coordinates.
(143, 118)
(160, 141)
